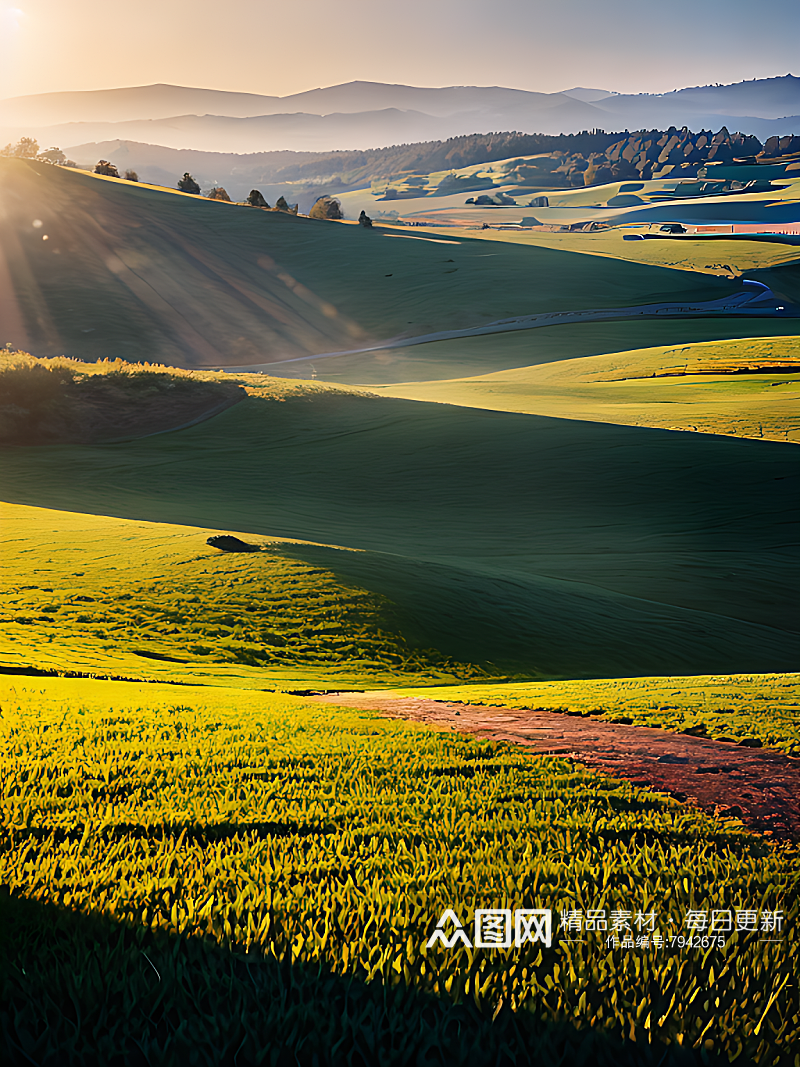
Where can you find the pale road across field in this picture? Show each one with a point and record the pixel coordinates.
(739, 304)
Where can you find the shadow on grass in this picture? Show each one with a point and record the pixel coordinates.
(84, 989)
(535, 626)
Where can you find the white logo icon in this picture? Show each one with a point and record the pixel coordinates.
(532, 925)
(458, 933)
(493, 928)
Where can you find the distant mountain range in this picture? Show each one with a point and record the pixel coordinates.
(360, 115)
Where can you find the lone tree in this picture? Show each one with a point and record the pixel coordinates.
(255, 199)
(104, 167)
(131, 176)
(326, 207)
(187, 184)
(218, 193)
(365, 220)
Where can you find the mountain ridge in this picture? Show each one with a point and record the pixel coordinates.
(359, 115)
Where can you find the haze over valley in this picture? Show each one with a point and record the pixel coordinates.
(361, 115)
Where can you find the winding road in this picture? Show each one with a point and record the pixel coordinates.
(757, 301)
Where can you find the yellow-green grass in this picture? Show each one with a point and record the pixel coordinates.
(526, 544)
(112, 597)
(144, 274)
(330, 841)
(701, 387)
(264, 385)
(734, 707)
(131, 375)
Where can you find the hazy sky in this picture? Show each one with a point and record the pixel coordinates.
(263, 47)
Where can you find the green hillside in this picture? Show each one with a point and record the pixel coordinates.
(541, 545)
(721, 257)
(744, 388)
(106, 268)
(200, 865)
(128, 599)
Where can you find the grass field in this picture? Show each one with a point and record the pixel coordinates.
(541, 546)
(701, 387)
(146, 825)
(94, 595)
(145, 274)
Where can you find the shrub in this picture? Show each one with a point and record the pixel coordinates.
(187, 184)
(326, 207)
(61, 399)
(29, 392)
(104, 167)
(131, 176)
(218, 193)
(52, 155)
(25, 148)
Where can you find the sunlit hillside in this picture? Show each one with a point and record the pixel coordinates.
(195, 868)
(739, 388)
(157, 602)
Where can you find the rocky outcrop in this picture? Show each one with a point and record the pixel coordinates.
(229, 543)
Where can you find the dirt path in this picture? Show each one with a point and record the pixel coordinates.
(760, 786)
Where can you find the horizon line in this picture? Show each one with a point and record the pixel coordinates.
(404, 85)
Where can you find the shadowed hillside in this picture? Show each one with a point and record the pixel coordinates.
(105, 268)
(543, 545)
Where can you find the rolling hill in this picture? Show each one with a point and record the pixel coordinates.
(539, 545)
(196, 864)
(106, 268)
(525, 543)
(157, 602)
(738, 388)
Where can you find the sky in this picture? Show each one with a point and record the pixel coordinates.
(260, 46)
